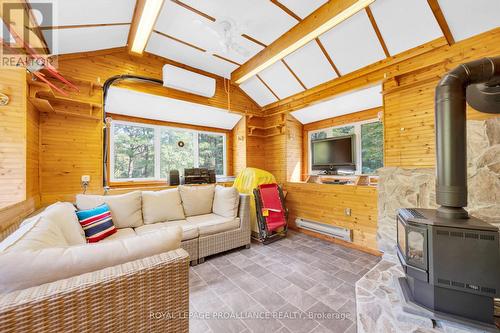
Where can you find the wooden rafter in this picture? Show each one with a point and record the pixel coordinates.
(438, 14)
(136, 18)
(139, 6)
(325, 53)
(258, 42)
(369, 75)
(179, 40)
(321, 20)
(254, 40)
(226, 59)
(267, 86)
(299, 19)
(377, 31)
(194, 10)
(286, 10)
(60, 27)
(293, 73)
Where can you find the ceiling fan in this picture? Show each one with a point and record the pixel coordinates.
(227, 32)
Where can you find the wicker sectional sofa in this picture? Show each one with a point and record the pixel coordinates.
(213, 219)
(136, 280)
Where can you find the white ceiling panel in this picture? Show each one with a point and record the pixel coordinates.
(280, 80)
(353, 44)
(170, 49)
(349, 103)
(405, 24)
(310, 65)
(303, 8)
(81, 12)
(124, 101)
(260, 19)
(77, 40)
(467, 18)
(254, 88)
(181, 23)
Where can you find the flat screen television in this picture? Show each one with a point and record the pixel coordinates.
(334, 154)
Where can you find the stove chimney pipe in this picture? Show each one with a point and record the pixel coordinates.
(478, 82)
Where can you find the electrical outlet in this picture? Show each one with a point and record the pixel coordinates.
(85, 183)
(347, 211)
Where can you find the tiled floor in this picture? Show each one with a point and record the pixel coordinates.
(299, 284)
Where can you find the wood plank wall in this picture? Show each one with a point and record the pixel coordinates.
(19, 152)
(409, 134)
(239, 146)
(13, 125)
(294, 152)
(33, 154)
(327, 204)
(71, 147)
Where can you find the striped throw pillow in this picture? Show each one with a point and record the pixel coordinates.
(96, 223)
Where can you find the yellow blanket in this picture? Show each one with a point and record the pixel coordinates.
(247, 180)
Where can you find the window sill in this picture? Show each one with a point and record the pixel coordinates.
(123, 187)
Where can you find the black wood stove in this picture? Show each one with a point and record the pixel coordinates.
(452, 261)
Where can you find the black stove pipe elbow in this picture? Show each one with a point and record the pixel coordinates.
(451, 134)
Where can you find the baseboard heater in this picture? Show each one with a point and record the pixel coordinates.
(325, 229)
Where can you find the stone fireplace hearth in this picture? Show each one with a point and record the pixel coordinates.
(379, 302)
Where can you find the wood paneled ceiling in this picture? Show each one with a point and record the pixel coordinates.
(189, 32)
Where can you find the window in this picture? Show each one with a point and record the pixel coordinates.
(149, 152)
(134, 153)
(333, 132)
(369, 143)
(173, 156)
(372, 147)
(211, 152)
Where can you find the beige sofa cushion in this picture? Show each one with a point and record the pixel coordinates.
(126, 209)
(188, 231)
(57, 225)
(40, 233)
(226, 200)
(120, 234)
(197, 200)
(63, 214)
(26, 269)
(158, 206)
(210, 224)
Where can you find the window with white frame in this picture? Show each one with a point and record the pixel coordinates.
(369, 136)
(149, 152)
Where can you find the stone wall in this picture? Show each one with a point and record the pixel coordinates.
(400, 188)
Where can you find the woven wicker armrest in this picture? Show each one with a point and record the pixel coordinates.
(145, 295)
(244, 211)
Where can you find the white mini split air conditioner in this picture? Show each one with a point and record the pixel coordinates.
(191, 82)
(325, 229)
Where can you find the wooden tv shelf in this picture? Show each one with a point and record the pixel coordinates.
(359, 180)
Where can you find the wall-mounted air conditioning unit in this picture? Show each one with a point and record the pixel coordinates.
(325, 229)
(191, 82)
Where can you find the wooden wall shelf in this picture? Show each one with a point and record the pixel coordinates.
(86, 104)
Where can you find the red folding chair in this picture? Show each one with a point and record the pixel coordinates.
(271, 213)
